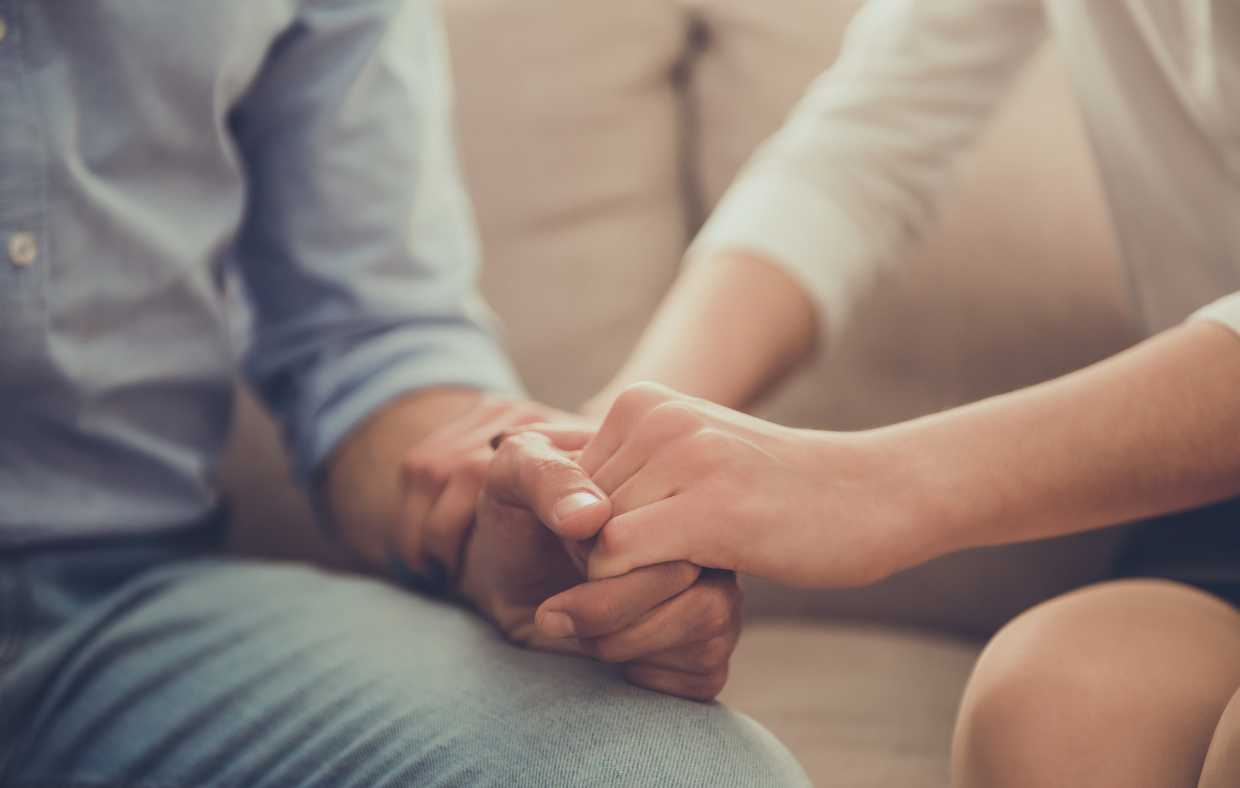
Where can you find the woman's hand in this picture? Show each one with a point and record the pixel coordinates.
(691, 480)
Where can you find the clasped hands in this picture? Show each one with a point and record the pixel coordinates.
(622, 543)
(511, 529)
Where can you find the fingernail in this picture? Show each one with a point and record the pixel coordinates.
(570, 504)
(557, 625)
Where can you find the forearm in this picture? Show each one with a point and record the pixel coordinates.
(1150, 431)
(728, 329)
(362, 484)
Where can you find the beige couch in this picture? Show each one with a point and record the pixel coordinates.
(595, 135)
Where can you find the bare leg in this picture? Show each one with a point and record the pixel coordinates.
(1222, 769)
(1118, 684)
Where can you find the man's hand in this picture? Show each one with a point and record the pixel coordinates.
(404, 485)
(440, 479)
(672, 626)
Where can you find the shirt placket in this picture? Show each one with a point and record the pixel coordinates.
(23, 207)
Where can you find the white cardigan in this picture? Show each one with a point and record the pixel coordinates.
(868, 154)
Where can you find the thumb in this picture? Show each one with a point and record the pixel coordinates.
(529, 471)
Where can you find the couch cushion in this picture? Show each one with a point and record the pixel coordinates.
(756, 58)
(859, 707)
(1017, 283)
(570, 140)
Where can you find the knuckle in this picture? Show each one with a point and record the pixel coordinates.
(637, 397)
(425, 469)
(604, 649)
(724, 580)
(712, 444)
(710, 686)
(713, 654)
(438, 472)
(533, 412)
(673, 417)
(511, 460)
(735, 591)
(476, 467)
(548, 468)
(550, 477)
(677, 575)
(537, 460)
(516, 414)
(601, 614)
(683, 571)
(407, 542)
(519, 444)
(415, 461)
(716, 608)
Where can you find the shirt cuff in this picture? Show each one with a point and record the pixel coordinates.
(801, 229)
(387, 367)
(1226, 310)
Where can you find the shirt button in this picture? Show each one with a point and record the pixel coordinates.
(22, 249)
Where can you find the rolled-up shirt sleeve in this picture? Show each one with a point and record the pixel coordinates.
(358, 250)
(867, 155)
(1225, 310)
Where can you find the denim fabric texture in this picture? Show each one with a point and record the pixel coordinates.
(154, 664)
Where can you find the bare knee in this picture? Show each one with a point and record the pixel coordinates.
(1119, 683)
(1222, 766)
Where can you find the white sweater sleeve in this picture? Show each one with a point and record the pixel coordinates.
(867, 155)
(1226, 310)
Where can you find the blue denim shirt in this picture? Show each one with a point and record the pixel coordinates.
(147, 148)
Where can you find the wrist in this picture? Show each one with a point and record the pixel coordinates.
(928, 510)
(896, 492)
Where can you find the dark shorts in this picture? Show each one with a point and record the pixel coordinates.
(1200, 547)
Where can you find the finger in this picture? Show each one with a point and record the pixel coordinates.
(529, 471)
(427, 466)
(638, 478)
(702, 658)
(443, 530)
(629, 410)
(567, 437)
(709, 609)
(666, 530)
(484, 412)
(607, 606)
(619, 468)
(674, 682)
(483, 433)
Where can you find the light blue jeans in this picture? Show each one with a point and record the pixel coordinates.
(148, 664)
